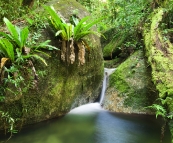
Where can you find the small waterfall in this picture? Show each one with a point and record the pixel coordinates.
(104, 85)
(94, 107)
(107, 72)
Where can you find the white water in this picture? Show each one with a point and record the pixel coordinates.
(94, 107)
(107, 72)
(87, 109)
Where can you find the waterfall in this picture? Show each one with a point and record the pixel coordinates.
(107, 72)
(94, 107)
(103, 88)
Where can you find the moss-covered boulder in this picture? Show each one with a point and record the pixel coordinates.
(159, 51)
(62, 86)
(130, 88)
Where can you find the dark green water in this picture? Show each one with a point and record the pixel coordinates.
(91, 124)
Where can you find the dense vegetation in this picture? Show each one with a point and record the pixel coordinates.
(122, 26)
(20, 50)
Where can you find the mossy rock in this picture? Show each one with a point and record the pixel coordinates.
(159, 51)
(63, 86)
(130, 87)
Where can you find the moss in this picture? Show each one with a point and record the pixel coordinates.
(64, 86)
(113, 47)
(160, 56)
(131, 81)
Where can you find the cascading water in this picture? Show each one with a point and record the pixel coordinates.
(91, 124)
(94, 107)
(107, 72)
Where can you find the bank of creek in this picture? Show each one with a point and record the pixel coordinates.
(90, 123)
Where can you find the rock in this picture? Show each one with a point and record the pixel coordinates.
(62, 87)
(160, 56)
(130, 88)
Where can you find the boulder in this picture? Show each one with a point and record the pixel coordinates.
(62, 86)
(130, 89)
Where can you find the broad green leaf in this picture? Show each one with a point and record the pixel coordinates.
(11, 28)
(23, 36)
(45, 45)
(7, 48)
(92, 23)
(55, 19)
(79, 26)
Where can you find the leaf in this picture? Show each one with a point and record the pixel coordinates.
(45, 45)
(39, 58)
(11, 28)
(79, 26)
(84, 33)
(92, 23)
(23, 36)
(55, 19)
(3, 61)
(7, 48)
(58, 33)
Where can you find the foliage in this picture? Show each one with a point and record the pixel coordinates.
(36, 21)
(15, 55)
(7, 119)
(72, 34)
(160, 109)
(13, 45)
(126, 17)
(17, 71)
(11, 9)
(16, 9)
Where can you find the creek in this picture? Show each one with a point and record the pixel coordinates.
(91, 124)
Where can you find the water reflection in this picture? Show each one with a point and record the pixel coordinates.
(94, 127)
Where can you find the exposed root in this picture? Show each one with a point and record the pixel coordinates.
(63, 50)
(81, 54)
(72, 53)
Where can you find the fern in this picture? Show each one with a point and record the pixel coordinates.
(159, 110)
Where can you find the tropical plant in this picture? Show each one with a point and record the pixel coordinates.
(14, 44)
(13, 48)
(72, 33)
(9, 122)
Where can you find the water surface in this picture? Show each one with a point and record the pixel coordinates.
(91, 124)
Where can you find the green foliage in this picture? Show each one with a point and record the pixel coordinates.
(13, 45)
(126, 17)
(14, 10)
(72, 34)
(159, 110)
(76, 30)
(7, 119)
(13, 48)
(83, 27)
(7, 49)
(17, 35)
(11, 10)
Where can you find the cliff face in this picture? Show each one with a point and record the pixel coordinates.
(63, 86)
